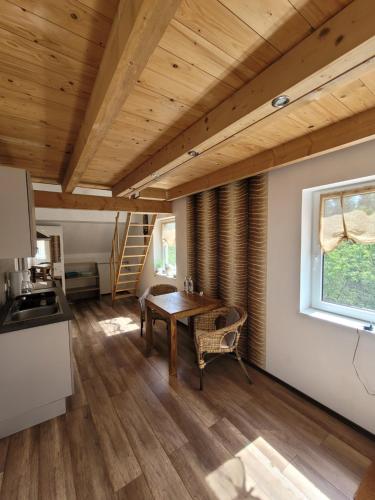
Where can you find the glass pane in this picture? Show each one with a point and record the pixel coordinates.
(168, 236)
(349, 275)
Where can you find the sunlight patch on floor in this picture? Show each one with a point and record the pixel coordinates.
(258, 471)
(115, 326)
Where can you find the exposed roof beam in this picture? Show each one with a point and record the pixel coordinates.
(137, 28)
(345, 41)
(153, 194)
(48, 199)
(353, 130)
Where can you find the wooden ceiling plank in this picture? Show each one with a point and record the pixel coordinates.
(105, 7)
(19, 69)
(196, 50)
(136, 30)
(353, 130)
(15, 48)
(277, 21)
(151, 106)
(316, 12)
(174, 78)
(47, 113)
(224, 29)
(47, 199)
(345, 41)
(26, 88)
(49, 32)
(73, 16)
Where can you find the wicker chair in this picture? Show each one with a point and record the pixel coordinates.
(153, 290)
(218, 332)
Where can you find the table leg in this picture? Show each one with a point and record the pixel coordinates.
(173, 347)
(149, 332)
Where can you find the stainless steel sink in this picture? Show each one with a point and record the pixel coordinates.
(36, 312)
(31, 306)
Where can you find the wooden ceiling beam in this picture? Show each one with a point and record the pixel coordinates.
(48, 199)
(136, 30)
(353, 130)
(153, 194)
(343, 42)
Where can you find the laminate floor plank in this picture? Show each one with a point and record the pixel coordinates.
(121, 463)
(132, 432)
(158, 470)
(21, 473)
(55, 472)
(91, 479)
(138, 489)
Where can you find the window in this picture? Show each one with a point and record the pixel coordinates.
(43, 253)
(343, 252)
(165, 247)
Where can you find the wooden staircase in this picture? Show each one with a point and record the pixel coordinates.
(128, 256)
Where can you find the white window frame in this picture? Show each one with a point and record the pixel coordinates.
(317, 262)
(158, 245)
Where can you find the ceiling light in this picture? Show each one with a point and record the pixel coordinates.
(193, 153)
(280, 101)
(154, 175)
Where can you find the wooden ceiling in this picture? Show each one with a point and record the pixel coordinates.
(178, 76)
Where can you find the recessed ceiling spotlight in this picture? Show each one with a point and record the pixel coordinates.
(193, 153)
(280, 101)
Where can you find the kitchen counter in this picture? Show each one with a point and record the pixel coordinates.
(65, 314)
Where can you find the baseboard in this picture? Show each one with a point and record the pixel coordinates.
(340, 417)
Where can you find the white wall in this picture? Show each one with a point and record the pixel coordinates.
(88, 237)
(311, 354)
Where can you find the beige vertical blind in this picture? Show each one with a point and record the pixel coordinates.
(227, 253)
(349, 215)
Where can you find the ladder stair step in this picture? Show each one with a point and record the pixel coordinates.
(139, 255)
(119, 296)
(122, 286)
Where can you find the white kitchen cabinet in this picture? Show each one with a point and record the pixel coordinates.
(17, 214)
(35, 375)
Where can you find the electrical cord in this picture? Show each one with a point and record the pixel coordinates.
(355, 368)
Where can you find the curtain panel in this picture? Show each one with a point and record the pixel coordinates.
(227, 251)
(349, 215)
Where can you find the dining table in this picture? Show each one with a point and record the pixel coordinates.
(176, 306)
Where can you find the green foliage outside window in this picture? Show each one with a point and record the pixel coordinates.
(349, 275)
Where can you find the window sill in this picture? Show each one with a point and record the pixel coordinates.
(352, 323)
(162, 275)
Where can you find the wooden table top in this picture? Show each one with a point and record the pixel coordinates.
(182, 304)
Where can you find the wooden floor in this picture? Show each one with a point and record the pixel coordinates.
(130, 434)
